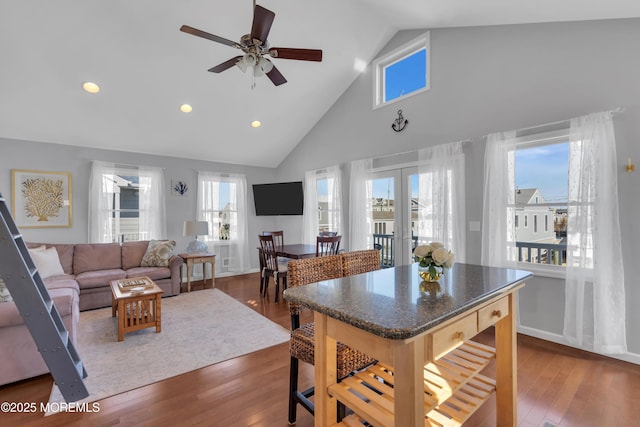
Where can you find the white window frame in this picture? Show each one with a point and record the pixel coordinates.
(396, 55)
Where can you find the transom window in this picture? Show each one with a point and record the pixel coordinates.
(402, 73)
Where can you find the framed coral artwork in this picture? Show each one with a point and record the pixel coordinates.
(41, 199)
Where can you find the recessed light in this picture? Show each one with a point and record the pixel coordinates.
(359, 65)
(256, 124)
(90, 87)
(186, 108)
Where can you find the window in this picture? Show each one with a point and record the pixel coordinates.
(222, 202)
(220, 207)
(126, 203)
(403, 72)
(322, 203)
(541, 182)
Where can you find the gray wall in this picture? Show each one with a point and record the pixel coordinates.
(16, 154)
(488, 79)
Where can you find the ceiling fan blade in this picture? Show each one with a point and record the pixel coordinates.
(194, 31)
(276, 77)
(225, 65)
(262, 20)
(300, 54)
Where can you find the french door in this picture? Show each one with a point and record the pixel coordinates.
(395, 195)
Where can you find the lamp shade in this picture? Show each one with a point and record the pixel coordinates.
(195, 228)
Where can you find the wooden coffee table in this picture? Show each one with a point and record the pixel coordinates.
(136, 310)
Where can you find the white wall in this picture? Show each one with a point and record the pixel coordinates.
(15, 154)
(488, 79)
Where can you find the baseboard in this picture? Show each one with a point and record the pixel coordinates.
(559, 339)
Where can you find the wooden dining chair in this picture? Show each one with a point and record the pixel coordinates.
(272, 267)
(327, 245)
(278, 238)
(302, 341)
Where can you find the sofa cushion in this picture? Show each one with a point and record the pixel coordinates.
(64, 298)
(95, 257)
(47, 262)
(65, 253)
(153, 273)
(158, 253)
(98, 279)
(133, 252)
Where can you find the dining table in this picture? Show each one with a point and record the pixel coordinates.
(297, 251)
(429, 368)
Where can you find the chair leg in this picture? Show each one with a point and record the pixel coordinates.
(277, 280)
(261, 282)
(293, 390)
(266, 285)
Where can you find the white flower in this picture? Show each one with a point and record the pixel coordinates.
(422, 251)
(450, 261)
(440, 256)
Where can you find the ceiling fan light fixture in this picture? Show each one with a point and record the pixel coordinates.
(265, 65)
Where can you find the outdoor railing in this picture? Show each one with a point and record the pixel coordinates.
(542, 253)
(385, 244)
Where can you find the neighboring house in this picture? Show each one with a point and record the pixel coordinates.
(534, 221)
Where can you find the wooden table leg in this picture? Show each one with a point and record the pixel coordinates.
(158, 310)
(409, 383)
(189, 275)
(121, 316)
(507, 368)
(325, 373)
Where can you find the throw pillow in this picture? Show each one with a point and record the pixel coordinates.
(47, 262)
(158, 253)
(5, 296)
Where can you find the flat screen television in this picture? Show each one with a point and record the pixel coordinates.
(282, 198)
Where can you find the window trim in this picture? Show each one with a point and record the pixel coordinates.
(421, 42)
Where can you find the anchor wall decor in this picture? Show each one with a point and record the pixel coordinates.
(400, 123)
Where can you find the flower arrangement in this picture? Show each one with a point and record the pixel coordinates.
(433, 259)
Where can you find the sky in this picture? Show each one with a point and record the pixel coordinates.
(544, 167)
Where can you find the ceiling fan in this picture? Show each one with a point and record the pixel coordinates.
(256, 48)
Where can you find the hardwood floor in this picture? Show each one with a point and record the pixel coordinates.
(557, 386)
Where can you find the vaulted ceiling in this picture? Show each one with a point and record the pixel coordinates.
(147, 68)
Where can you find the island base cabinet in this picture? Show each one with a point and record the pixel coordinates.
(453, 388)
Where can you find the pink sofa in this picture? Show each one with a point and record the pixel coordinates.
(88, 268)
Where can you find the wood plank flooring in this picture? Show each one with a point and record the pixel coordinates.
(557, 386)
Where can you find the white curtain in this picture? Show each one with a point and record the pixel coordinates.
(498, 213)
(231, 246)
(441, 197)
(310, 220)
(594, 293)
(361, 205)
(102, 186)
(151, 199)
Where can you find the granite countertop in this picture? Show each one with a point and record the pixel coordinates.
(394, 303)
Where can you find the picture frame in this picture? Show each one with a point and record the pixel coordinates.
(41, 199)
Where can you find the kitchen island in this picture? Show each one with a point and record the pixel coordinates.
(420, 332)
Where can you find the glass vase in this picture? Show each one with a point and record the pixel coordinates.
(430, 276)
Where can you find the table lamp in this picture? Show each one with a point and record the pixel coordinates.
(196, 228)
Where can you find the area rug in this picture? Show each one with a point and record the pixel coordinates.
(199, 329)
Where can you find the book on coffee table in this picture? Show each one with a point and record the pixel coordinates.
(137, 282)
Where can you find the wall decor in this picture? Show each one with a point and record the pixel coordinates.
(41, 199)
(179, 188)
(400, 123)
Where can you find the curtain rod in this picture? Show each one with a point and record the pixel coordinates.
(463, 141)
(612, 112)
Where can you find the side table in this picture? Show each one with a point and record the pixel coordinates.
(136, 311)
(201, 258)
